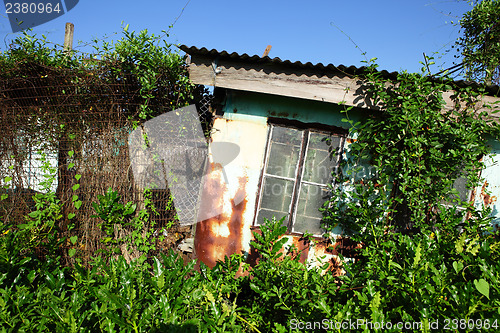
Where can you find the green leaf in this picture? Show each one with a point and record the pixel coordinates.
(71, 215)
(483, 287)
(129, 209)
(78, 204)
(459, 245)
(34, 214)
(4, 196)
(71, 252)
(418, 255)
(76, 187)
(7, 179)
(77, 177)
(31, 276)
(375, 303)
(458, 265)
(73, 239)
(395, 264)
(71, 153)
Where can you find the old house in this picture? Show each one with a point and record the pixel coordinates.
(286, 119)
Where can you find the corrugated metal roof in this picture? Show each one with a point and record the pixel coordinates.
(319, 68)
(192, 50)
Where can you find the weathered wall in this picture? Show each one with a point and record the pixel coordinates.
(244, 123)
(234, 187)
(487, 194)
(231, 189)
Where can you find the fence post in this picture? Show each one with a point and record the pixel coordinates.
(63, 174)
(68, 37)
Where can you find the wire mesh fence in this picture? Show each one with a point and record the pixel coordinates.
(69, 134)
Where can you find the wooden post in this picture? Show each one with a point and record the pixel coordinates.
(68, 37)
(266, 51)
(64, 179)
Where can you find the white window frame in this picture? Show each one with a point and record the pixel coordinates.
(299, 171)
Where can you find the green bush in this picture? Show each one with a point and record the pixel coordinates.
(425, 254)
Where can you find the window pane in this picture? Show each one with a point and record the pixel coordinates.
(321, 158)
(269, 214)
(287, 135)
(277, 194)
(275, 199)
(305, 224)
(461, 186)
(311, 199)
(284, 152)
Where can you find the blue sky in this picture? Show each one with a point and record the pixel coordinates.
(397, 32)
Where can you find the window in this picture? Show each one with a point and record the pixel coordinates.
(297, 170)
(462, 193)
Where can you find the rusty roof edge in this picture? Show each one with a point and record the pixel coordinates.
(492, 90)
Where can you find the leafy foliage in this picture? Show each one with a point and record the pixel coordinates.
(281, 288)
(479, 42)
(425, 254)
(419, 149)
(79, 110)
(411, 224)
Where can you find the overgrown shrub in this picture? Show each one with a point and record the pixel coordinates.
(426, 254)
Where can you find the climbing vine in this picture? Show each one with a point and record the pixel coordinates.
(79, 108)
(425, 251)
(478, 43)
(420, 148)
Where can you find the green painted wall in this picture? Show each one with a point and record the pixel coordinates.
(307, 111)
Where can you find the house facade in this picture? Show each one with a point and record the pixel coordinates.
(286, 119)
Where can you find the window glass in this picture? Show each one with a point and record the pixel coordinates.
(276, 198)
(461, 186)
(308, 217)
(284, 152)
(321, 158)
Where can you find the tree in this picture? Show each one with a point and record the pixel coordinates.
(480, 41)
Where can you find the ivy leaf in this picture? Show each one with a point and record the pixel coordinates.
(78, 204)
(34, 214)
(483, 287)
(457, 265)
